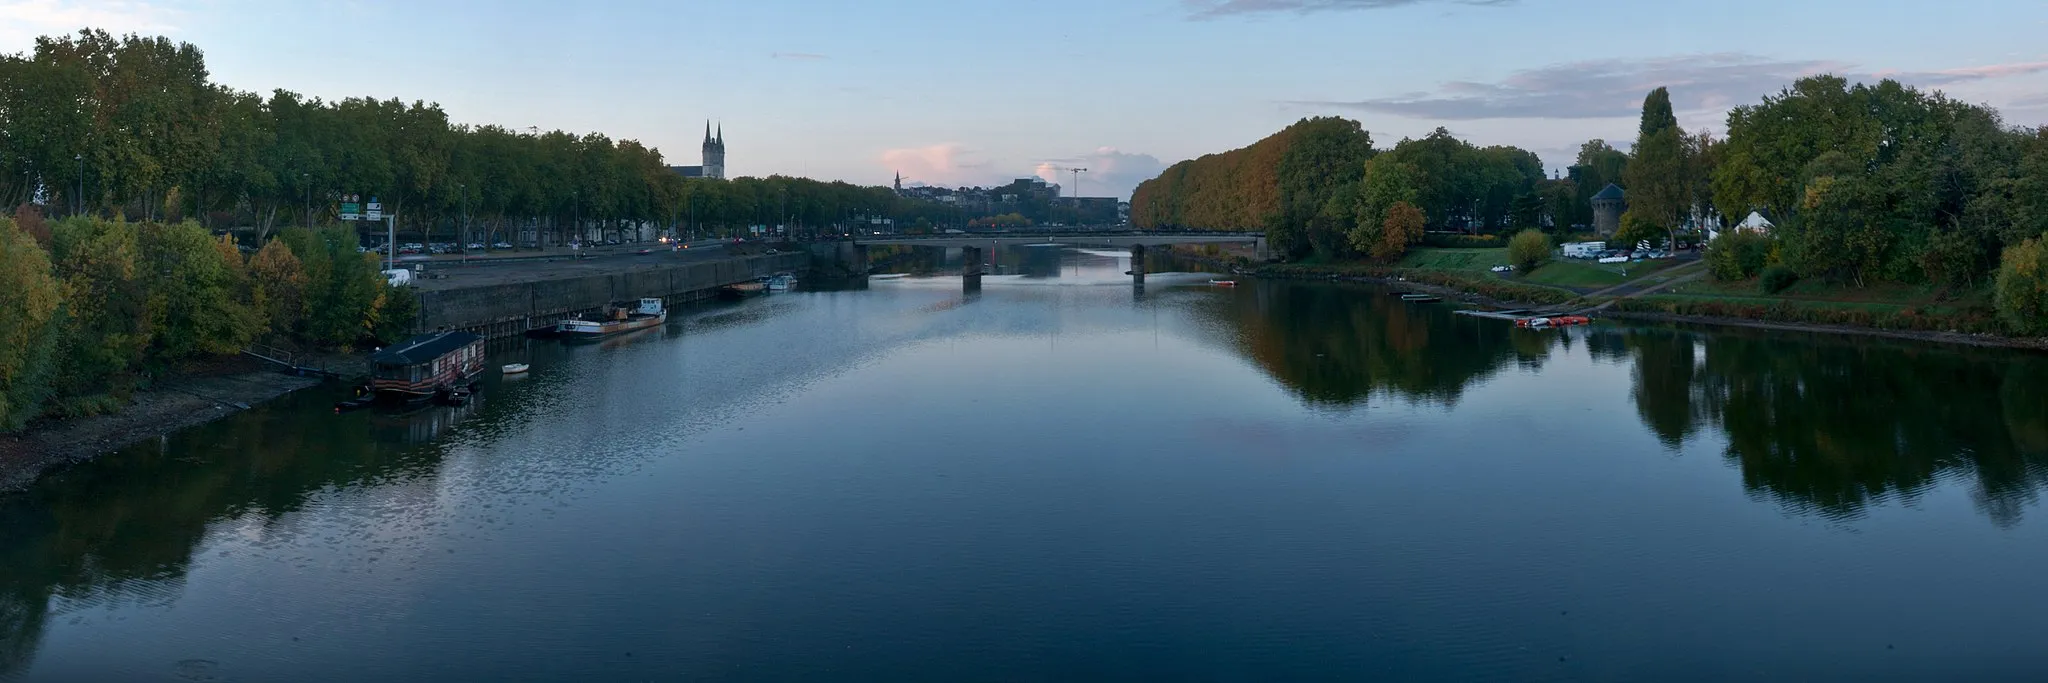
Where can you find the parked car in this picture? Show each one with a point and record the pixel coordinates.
(501, 245)
(476, 246)
(1503, 269)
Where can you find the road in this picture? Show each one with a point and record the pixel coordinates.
(455, 274)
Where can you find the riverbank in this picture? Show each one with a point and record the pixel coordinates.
(210, 393)
(1484, 289)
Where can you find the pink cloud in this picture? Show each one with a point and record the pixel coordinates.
(942, 164)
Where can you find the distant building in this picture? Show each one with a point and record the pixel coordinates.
(1755, 223)
(1607, 208)
(714, 157)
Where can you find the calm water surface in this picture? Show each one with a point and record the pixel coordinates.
(1060, 479)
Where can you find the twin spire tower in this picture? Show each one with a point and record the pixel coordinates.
(714, 156)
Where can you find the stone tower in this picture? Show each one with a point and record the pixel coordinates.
(1607, 208)
(714, 152)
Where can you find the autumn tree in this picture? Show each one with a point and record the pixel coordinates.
(29, 301)
(279, 282)
(1402, 227)
(2022, 289)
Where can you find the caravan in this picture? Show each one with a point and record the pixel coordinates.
(1584, 249)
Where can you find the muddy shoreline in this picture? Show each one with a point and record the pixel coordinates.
(172, 405)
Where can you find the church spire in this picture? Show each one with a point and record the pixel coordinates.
(721, 133)
(707, 131)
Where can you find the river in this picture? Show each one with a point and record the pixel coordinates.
(1062, 479)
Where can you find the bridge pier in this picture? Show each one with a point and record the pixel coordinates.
(1138, 264)
(970, 273)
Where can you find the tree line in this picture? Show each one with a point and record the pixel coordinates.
(1320, 186)
(133, 126)
(91, 308)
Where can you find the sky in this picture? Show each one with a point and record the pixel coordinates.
(973, 92)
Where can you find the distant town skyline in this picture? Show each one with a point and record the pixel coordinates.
(981, 93)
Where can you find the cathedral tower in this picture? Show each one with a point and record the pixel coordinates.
(714, 152)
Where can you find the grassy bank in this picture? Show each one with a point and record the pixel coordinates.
(1888, 307)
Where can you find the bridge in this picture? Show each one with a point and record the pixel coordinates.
(973, 245)
(1084, 239)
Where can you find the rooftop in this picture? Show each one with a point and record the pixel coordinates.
(423, 348)
(1612, 191)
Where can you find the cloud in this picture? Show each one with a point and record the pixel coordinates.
(1614, 88)
(21, 21)
(1111, 173)
(1209, 9)
(798, 56)
(941, 164)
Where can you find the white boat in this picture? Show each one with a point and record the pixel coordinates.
(781, 282)
(516, 368)
(615, 320)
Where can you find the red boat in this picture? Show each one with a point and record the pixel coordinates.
(1557, 321)
(1224, 283)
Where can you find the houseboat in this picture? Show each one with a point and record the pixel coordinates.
(429, 365)
(614, 320)
(782, 282)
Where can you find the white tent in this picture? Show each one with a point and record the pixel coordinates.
(1755, 223)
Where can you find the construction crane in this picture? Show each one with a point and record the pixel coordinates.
(1077, 177)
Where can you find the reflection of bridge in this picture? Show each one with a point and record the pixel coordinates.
(972, 245)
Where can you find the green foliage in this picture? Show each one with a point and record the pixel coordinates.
(397, 312)
(1953, 259)
(1967, 319)
(1658, 193)
(1529, 249)
(1776, 279)
(1737, 255)
(343, 288)
(2022, 288)
(108, 327)
(1637, 227)
(29, 301)
(198, 293)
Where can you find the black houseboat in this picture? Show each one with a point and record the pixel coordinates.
(429, 365)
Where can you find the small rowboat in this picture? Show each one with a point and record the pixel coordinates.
(1224, 283)
(1558, 321)
(516, 368)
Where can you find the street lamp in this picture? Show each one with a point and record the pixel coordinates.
(80, 158)
(306, 181)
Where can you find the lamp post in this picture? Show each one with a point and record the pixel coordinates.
(80, 158)
(306, 181)
(463, 189)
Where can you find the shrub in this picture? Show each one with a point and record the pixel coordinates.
(1776, 279)
(2022, 289)
(1529, 249)
(1738, 255)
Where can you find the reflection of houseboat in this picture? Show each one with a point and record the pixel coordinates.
(614, 321)
(428, 365)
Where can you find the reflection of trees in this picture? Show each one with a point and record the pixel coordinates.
(1831, 426)
(137, 516)
(1340, 345)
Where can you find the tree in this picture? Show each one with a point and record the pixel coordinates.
(1529, 249)
(197, 292)
(29, 300)
(1658, 190)
(280, 282)
(2022, 289)
(108, 329)
(1402, 228)
(1635, 229)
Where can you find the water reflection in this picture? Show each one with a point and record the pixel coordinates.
(125, 527)
(1341, 345)
(1832, 426)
